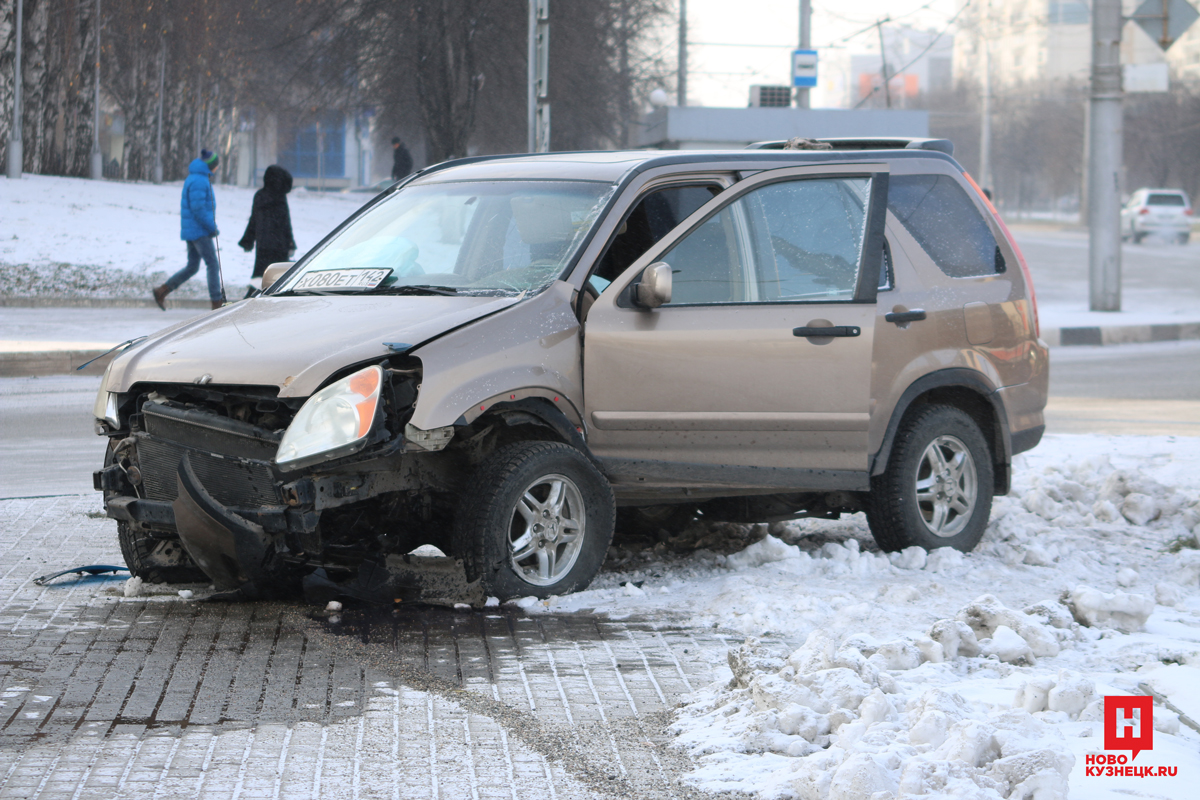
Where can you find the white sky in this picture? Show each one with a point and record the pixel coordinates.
(720, 75)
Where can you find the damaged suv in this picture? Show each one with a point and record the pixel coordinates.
(500, 355)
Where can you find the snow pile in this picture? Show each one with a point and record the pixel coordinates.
(943, 673)
(71, 237)
(831, 721)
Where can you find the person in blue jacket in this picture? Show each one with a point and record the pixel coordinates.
(198, 211)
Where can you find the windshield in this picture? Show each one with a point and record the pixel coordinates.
(496, 237)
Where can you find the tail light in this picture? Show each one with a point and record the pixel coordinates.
(1144, 211)
(1187, 211)
(1037, 328)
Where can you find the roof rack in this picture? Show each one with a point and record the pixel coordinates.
(883, 143)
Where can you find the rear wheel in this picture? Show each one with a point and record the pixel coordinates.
(1138, 236)
(937, 488)
(1184, 238)
(157, 559)
(537, 520)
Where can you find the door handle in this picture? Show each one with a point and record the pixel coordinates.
(833, 330)
(915, 315)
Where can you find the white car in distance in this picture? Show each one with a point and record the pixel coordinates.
(1161, 212)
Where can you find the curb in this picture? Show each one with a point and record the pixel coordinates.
(54, 362)
(97, 302)
(1119, 334)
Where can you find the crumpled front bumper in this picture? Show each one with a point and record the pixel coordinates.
(231, 550)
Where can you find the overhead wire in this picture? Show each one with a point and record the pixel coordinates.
(918, 56)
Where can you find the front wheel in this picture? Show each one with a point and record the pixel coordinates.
(937, 488)
(537, 520)
(157, 559)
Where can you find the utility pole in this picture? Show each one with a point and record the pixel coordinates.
(162, 80)
(97, 158)
(1104, 158)
(681, 79)
(538, 136)
(802, 98)
(887, 89)
(16, 154)
(985, 122)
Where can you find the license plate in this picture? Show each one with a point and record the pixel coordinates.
(343, 279)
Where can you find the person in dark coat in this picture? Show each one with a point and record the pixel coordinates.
(198, 227)
(402, 162)
(270, 225)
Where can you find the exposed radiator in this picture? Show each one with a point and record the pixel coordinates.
(229, 481)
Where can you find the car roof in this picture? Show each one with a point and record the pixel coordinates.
(611, 166)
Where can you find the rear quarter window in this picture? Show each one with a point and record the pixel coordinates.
(941, 217)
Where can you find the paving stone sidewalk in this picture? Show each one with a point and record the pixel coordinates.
(158, 697)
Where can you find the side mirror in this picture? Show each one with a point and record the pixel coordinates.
(654, 287)
(275, 272)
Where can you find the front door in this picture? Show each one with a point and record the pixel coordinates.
(758, 370)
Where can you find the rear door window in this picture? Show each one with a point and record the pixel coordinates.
(941, 217)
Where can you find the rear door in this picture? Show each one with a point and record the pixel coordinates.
(758, 371)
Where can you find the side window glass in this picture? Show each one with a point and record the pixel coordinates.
(810, 247)
(651, 219)
(941, 217)
(707, 265)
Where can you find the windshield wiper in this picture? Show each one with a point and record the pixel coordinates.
(414, 288)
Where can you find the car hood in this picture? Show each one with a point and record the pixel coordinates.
(294, 343)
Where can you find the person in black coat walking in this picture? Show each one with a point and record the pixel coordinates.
(402, 162)
(270, 225)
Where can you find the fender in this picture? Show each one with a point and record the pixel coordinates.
(955, 378)
(537, 407)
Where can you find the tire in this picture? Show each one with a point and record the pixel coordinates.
(531, 484)
(1184, 238)
(902, 515)
(1137, 237)
(157, 559)
(652, 520)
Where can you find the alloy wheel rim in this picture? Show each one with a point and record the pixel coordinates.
(946, 486)
(547, 529)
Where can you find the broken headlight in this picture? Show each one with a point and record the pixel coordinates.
(333, 422)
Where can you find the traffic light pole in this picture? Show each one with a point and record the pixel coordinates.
(1105, 156)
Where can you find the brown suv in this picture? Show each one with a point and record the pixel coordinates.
(501, 354)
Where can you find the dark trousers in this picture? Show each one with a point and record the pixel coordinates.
(196, 250)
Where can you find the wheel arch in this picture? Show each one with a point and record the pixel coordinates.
(969, 391)
(532, 414)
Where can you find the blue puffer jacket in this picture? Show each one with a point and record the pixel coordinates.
(198, 207)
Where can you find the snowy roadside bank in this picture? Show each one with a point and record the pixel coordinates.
(70, 237)
(944, 674)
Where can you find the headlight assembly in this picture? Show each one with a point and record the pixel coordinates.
(333, 422)
(107, 403)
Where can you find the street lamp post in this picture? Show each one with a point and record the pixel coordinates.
(16, 155)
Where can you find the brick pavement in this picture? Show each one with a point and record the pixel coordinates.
(155, 697)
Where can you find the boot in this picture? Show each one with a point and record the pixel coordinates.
(217, 304)
(160, 294)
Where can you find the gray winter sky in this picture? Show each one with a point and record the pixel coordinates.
(721, 74)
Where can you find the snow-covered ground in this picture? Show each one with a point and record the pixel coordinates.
(69, 236)
(945, 674)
